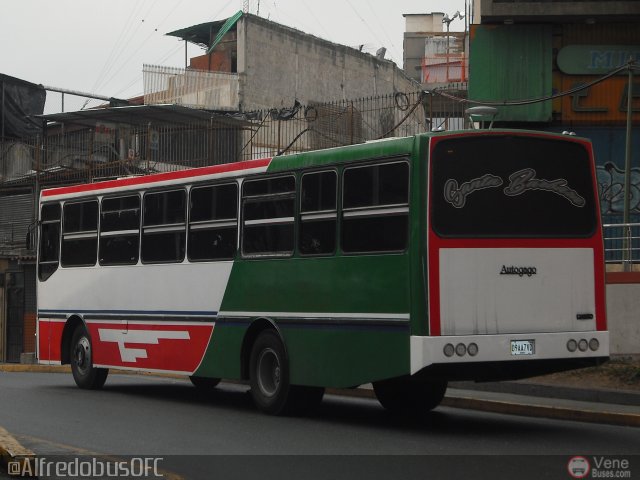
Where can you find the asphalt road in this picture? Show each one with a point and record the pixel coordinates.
(199, 433)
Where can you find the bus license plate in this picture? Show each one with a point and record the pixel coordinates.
(523, 347)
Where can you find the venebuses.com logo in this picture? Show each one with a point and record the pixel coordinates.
(599, 467)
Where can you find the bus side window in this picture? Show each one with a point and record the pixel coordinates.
(318, 213)
(79, 234)
(119, 231)
(375, 205)
(49, 240)
(268, 216)
(213, 223)
(164, 227)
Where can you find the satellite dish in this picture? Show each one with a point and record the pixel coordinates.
(380, 53)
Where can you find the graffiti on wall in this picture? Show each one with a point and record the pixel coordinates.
(611, 188)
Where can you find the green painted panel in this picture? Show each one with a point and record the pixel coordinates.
(351, 153)
(358, 284)
(512, 62)
(222, 359)
(345, 358)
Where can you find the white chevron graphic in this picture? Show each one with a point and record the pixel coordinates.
(150, 337)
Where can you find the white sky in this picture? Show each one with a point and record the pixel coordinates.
(100, 46)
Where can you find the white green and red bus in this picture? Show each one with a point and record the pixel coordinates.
(404, 262)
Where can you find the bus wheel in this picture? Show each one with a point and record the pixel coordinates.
(84, 373)
(408, 395)
(269, 374)
(204, 383)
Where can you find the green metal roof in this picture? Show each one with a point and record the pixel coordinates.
(201, 34)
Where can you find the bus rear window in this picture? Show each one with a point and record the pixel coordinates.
(501, 186)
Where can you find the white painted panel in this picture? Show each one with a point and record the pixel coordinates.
(171, 287)
(475, 298)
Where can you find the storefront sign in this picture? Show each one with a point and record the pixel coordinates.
(595, 59)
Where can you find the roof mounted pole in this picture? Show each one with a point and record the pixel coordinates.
(481, 112)
(626, 247)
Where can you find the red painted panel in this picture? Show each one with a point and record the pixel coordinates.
(166, 347)
(159, 177)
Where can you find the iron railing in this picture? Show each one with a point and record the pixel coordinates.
(622, 244)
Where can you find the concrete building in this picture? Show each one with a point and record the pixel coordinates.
(432, 55)
(252, 63)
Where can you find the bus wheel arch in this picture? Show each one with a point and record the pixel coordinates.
(73, 322)
(80, 356)
(266, 364)
(258, 326)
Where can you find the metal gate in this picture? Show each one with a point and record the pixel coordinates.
(14, 283)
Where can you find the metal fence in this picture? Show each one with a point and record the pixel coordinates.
(622, 245)
(74, 153)
(87, 148)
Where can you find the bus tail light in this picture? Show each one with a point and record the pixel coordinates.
(448, 350)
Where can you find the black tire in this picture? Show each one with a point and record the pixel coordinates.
(409, 395)
(84, 373)
(204, 383)
(269, 374)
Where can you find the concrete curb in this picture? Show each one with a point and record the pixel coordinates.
(513, 408)
(544, 411)
(546, 390)
(529, 408)
(11, 451)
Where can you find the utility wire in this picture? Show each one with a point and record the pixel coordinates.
(571, 91)
(123, 39)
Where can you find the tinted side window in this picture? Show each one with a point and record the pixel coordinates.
(268, 208)
(213, 222)
(80, 234)
(164, 228)
(120, 231)
(49, 240)
(375, 215)
(318, 213)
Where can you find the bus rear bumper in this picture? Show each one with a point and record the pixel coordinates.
(521, 354)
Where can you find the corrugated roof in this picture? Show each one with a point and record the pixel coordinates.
(203, 33)
(142, 115)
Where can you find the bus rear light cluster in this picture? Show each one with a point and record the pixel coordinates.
(460, 349)
(583, 345)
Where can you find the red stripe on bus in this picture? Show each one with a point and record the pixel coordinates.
(158, 177)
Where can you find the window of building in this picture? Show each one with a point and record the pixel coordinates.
(79, 234)
(119, 231)
(163, 229)
(49, 240)
(375, 204)
(268, 216)
(213, 222)
(318, 213)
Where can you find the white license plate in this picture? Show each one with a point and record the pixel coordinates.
(523, 347)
